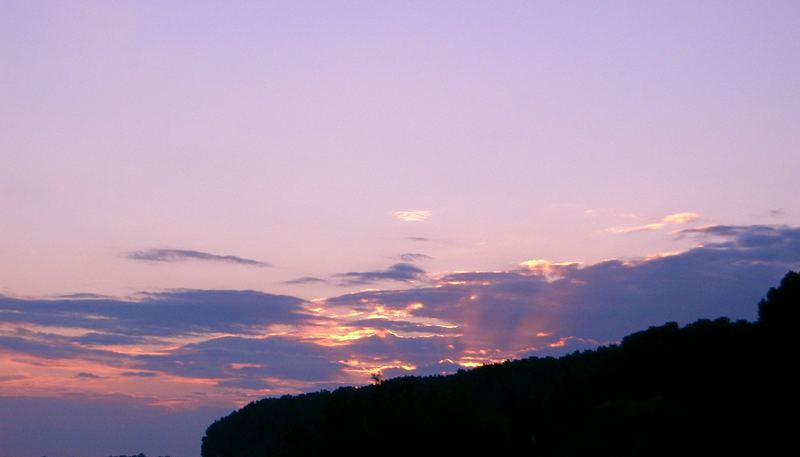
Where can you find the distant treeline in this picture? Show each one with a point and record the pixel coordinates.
(137, 455)
(132, 455)
(710, 388)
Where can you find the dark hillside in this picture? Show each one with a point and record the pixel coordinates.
(710, 388)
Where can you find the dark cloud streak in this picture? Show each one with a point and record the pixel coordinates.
(425, 239)
(179, 255)
(139, 374)
(87, 375)
(305, 280)
(401, 272)
(413, 257)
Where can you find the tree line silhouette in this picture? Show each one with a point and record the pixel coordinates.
(132, 455)
(713, 387)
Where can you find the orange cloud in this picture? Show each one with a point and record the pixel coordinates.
(548, 269)
(415, 215)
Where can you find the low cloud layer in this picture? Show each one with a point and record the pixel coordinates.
(156, 315)
(182, 255)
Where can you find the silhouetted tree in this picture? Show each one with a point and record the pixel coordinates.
(781, 308)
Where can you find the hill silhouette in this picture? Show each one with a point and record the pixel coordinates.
(713, 387)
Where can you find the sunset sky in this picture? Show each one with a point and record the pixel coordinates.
(207, 203)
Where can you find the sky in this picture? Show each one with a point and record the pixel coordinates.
(206, 203)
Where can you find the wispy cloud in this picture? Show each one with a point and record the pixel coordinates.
(305, 280)
(680, 218)
(425, 239)
(87, 375)
(749, 237)
(180, 255)
(139, 374)
(83, 296)
(413, 257)
(415, 215)
(403, 272)
(13, 377)
(672, 219)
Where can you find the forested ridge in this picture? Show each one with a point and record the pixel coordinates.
(713, 387)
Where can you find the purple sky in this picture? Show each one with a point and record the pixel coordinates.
(203, 203)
